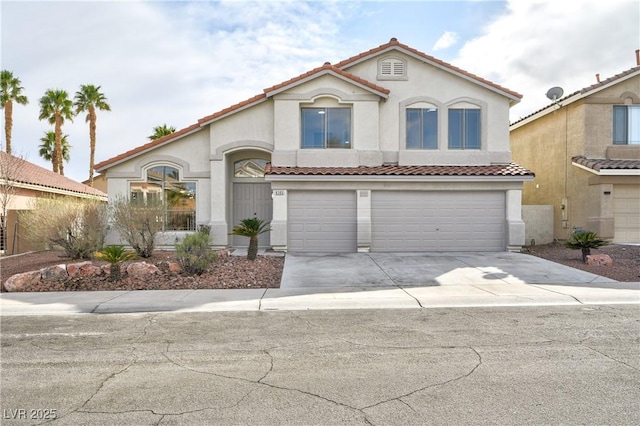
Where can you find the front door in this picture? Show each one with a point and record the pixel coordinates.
(252, 200)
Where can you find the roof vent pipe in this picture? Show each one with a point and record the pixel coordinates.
(638, 57)
(598, 77)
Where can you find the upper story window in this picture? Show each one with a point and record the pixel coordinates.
(178, 199)
(464, 128)
(326, 128)
(392, 69)
(422, 128)
(626, 124)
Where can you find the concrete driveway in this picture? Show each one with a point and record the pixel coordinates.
(366, 270)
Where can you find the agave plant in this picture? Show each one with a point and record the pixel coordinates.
(585, 241)
(115, 255)
(251, 228)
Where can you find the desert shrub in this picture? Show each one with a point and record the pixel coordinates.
(205, 229)
(585, 241)
(137, 224)
(194, 254)
(114, 255)
(79, 227)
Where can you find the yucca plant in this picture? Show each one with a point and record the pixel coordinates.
(585, 241)
(251, 228)
(115, 255)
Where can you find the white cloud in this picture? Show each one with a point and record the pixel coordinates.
(175, 62)
(445, 41)
(539, 44)
(156, 62)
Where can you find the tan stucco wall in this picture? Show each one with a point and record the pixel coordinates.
(546, 146)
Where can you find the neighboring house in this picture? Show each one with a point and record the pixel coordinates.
(585, 149)
(99, 183)
(21, 183)
(389, 150)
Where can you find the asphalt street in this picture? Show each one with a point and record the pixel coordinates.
(484, 365)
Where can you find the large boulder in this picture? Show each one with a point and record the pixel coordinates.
(54, 273)
(22, 282)
(83, 269)
(141, 270)
(599, 260)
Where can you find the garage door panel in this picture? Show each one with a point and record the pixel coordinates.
(626, 212)
(438, 221)
(322, 221)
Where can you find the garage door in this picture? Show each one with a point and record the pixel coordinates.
(322, 221)
(626, 213)
(438, 221)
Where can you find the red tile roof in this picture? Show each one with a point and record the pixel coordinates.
(327, 67)
(606, 164)
(146, 146)
(395, 43)
(511, 169)
(18, 170)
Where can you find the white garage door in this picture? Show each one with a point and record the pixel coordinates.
(438, 221)
(322, 221)
(626, 213)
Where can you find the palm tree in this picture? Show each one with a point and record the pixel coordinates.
(48, 145)
(251, 228)
(55, 107)
(161, 131)
(11, 92)
(87, 99)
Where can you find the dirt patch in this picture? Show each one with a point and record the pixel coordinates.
(625, 267)
(226, 272)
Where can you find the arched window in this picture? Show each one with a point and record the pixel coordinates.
(178, 199)
(252, 168)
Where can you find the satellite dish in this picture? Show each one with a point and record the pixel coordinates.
(555, 93)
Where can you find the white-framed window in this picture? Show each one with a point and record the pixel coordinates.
(178, 199)
(464, 128)
(392, 69)
(422, 128)
(326, 128)
(626, 124)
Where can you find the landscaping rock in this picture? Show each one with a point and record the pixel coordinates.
(54, 273)
(599, 260)
(19, 282)
(141, 270)
(83, 269)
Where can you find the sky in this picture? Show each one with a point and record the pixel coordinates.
(173, 62)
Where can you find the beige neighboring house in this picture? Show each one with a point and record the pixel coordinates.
(21, 182)
(99, 183)
(388, 150)
(585, 150)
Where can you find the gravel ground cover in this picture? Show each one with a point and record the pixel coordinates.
(266, 271)
(226, 272)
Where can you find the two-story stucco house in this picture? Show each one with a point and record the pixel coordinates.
(585, 149)
(389, 150)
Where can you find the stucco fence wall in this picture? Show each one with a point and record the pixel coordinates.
(538, 223)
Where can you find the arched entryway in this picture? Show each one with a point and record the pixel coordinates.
(251, 194)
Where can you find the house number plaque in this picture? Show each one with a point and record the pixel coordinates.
(278, 192)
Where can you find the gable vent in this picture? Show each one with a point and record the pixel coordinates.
(392, 68)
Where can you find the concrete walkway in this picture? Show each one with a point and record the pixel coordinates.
(362, 281)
